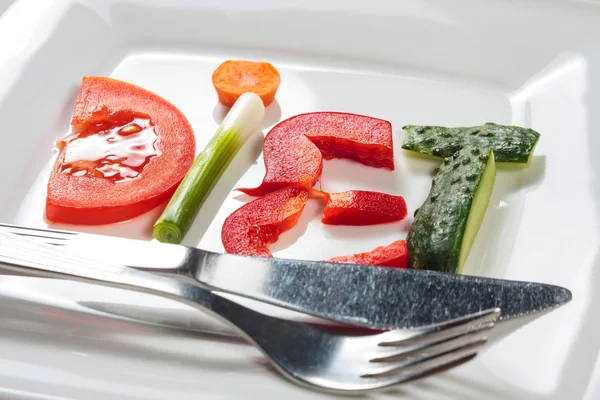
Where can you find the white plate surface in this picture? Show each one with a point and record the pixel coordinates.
(528, 63)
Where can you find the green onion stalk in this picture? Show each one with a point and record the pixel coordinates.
(241, 122)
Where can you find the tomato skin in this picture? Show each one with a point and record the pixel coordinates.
(101, 215)
(87, 200)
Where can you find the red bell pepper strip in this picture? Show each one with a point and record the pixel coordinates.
(293, 150)
(361, 138)
(251, 228)
(290, 159)
(359, 207)
(394, 255)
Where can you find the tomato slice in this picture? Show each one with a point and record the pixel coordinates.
(128, 151)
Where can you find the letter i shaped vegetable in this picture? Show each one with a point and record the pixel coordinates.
(241, 122)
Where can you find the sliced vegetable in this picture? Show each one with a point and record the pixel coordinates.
(446, 225)
(293, 150)
(361, 138)
(511, 144)
(290, 159)
(128, 151)
(234, 77)
(393, 255)
(251, 228)
(360, 207)
(241, 122)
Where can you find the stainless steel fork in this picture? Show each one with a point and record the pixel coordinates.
(333, 361)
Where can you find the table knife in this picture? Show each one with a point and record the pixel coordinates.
(374, 297)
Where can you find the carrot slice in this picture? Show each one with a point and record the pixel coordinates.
(233, 78)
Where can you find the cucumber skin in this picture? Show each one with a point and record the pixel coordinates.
(435, 237)
(511, 144)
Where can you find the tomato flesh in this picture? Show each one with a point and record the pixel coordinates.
(114, 151)
(128, 152)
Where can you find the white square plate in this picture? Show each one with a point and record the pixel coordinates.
(529, 63)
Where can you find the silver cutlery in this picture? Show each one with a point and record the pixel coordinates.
(367, 296)
(315, 357)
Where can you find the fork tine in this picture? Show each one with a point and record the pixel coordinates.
(426, 343)
(406, 369)
(425, 372)
(416, 353)
(44, 236)
(440, 332)
(37, 233)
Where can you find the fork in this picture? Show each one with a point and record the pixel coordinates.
(323, 359)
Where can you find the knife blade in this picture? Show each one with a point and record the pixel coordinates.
(368, 296)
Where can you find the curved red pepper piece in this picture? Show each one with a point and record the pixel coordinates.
(290, 159)
(360, 207)
(394, 255)
(251, 228)
(293, 150)
(361, 138)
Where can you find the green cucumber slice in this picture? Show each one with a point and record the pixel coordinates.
(446, 225)
(511, 144)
